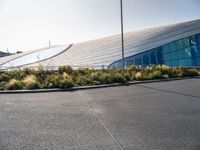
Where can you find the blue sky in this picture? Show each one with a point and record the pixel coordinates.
(29, 24)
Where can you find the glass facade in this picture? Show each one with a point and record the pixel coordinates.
(181, 53)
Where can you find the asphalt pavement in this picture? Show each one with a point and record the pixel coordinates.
(153, 116)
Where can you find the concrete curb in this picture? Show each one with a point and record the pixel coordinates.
(92, 87)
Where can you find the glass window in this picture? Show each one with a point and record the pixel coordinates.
(129, 61)
(181, 63)
(179, 44)
(153, 57)
(180, 54)
(173, 46)
(168, 63)
(159, 55)
(146, 59)
(175, 63)
(198, 38)
(167, 56)
(195, 62)
(188, 52)
(138, 60)
(119, 63)
(183, 52)
(194, 51)
(198, 44)
(174, 55)
(166, 48)
(188, 62)
(192, 41)
(182, 43)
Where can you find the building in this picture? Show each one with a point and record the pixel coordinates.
(176, 45)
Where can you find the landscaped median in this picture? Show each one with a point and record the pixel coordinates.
(66, 77)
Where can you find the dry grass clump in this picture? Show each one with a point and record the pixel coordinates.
(14, 84)
(31, 82)
(138, 76)
(65, 75)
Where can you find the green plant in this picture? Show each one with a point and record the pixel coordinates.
(66, 83)
(17, 74)
(96, 75)
(156, 75)
(14, 85)
(83, 80)
(104, 78)
(4, 77)
(172, 73)
(190, 72)
(86, 71)
(29, 71)
(53, 81)
(179, 72)
(41, 74)
(147, 76)
(118, 78)
(132, 68)
(66, 69)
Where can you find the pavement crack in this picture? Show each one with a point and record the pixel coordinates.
(86, 98)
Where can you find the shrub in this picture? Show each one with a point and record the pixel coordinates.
(84, 80)
(66, 69)
(190, 72)
(172, 73)
(132, 68)
(66, 83)
(31, 82)
(147, 76)
(14, 85)
(95, 76)
(105, 78)
(53, 81)
(179, 72)
(80, 81)
(156, 75)
(17, 74)
(164, 70)
(86, 71)
(29, 71)
(2, 85)
(41, 74)
(117, 78)
(4, 77)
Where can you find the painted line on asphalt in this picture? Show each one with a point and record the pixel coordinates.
(86, 98)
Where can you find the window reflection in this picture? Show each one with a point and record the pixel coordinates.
(183, 52)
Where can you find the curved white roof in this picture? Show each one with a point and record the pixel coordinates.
(104, 51)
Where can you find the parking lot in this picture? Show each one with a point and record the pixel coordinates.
(153, 116)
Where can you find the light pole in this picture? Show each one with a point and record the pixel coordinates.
(122, 37)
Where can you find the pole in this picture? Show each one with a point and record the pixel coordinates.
(49, 43)
(122, 37)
